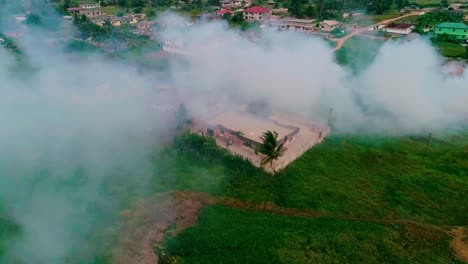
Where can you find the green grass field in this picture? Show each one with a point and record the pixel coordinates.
(365, 20)
(452, 50)
(358, 52)
(233, 236)
(350, 176)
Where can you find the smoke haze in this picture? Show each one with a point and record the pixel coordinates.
(78, 124)
(403, 91)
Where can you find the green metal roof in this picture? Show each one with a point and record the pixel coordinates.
(452, 25)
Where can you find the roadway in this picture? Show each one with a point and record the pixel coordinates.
(361, 30)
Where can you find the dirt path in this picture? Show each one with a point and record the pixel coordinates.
(147, 223)
(358, 31)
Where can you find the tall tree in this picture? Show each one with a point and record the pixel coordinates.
(270, 147)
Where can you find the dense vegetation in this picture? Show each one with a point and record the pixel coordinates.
(231, 236)
(430, 19)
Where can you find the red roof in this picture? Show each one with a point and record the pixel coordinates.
(257, 9)
(222, 12)
(400, 26)
(74, 9)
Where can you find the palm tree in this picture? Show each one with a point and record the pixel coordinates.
(270, 147)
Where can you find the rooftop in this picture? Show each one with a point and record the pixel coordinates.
(257, 9)
(400, 26)
(250, 126)
(222, 12)
(452, 25)
(331, 22)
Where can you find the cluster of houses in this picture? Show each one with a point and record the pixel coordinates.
(457, 30)
(272, 17)
(98, 16)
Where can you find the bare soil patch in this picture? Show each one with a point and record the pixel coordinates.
(147, 222)
(460, 243)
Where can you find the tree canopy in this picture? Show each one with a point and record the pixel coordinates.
(271, 147)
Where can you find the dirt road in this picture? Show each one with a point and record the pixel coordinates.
(341, 41)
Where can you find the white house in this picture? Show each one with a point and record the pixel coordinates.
(293, 24)
(90, 5)
(228, 4)
(329, 25)
(398, 30)
(257, 13)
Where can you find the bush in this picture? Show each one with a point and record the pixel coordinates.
(446, 38)
(138, 10)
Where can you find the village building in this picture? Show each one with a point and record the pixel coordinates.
(457, 30)
(144, 28)
(223, 12)
(271, 4)
(257, 13)
(329, 25)
(240, 132)
(280, 11)
(398, 30)
(92, 12)
(89, 13)
(144, 25)
(228, 4)
(293, 24)
(246, 129)
(74, 10)
(90, 5)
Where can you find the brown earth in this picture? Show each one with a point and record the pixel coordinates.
(149, 220)
(460, 243)
(167, 214)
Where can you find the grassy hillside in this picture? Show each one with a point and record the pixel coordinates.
(233, 236)
(352, 176)
(346, 177)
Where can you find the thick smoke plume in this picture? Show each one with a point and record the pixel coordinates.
(76, 124)
(403, 91)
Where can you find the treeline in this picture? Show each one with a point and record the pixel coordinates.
(430, 19)
(334, 9)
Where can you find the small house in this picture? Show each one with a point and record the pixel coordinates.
(329, 25)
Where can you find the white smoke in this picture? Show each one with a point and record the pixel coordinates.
(403, 91)
(96, 118)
